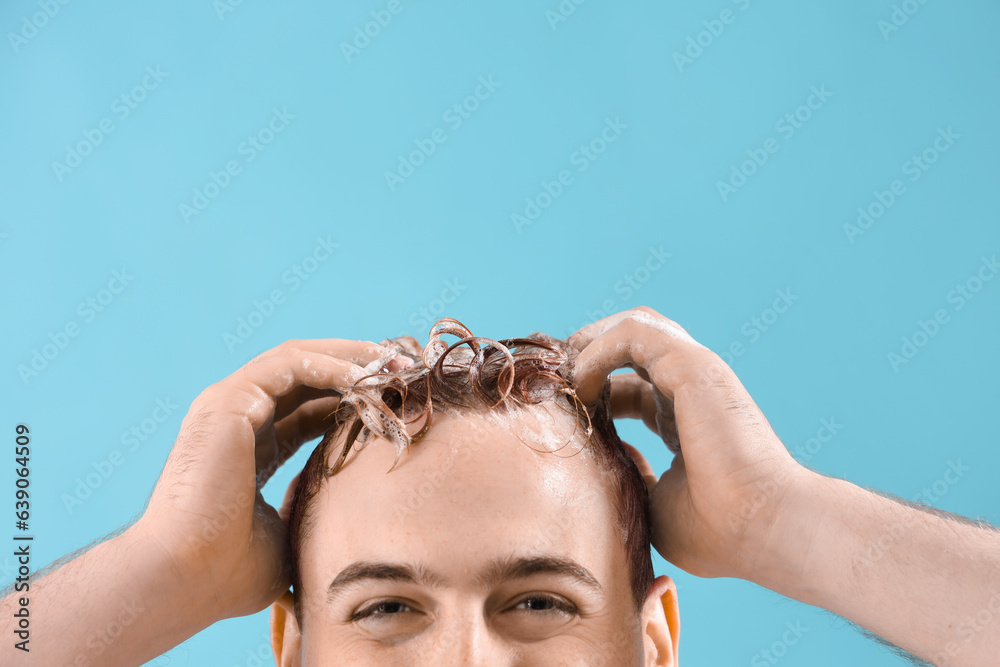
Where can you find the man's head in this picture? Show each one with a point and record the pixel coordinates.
(514, 530)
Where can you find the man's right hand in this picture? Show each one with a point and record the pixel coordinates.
(207, 513)
(207, 546)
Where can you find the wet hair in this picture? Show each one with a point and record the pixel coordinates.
(476, 374)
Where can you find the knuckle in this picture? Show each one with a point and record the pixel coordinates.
(673, 323)
(644, 313)
(284, 356)
(630, 324)
(208, 396)
(647, 310)
(371, 349)
(703, 369)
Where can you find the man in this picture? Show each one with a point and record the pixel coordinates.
(733, 503)
(512, 531)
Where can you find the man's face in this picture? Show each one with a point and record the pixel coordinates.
(474, 550)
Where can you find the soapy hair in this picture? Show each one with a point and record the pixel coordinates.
(475, 374)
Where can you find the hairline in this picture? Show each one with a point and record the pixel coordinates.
(603, 470)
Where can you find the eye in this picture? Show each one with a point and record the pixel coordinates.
(383, 610)
(546, 604)
(536, 617)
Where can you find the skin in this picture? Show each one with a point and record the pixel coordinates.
(473, 478)
(734, 503)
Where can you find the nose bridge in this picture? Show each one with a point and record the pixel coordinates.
(465, 639)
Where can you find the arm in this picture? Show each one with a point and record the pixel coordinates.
(207, 546)
(122, 602)
(927, 581)
(735, 503)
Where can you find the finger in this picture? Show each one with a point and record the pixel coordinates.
(390, 360)
(635, 398)
(588, 333)
(308, 422)
(253, 390)
(360, 352)
(645, 469)
(632, 398)
(641, 340)
(399, 363)
(288, 403)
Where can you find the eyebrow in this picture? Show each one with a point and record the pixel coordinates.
(496, 571)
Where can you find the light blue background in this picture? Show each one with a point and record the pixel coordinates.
(323, 176)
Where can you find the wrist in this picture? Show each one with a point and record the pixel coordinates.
(182, 583)
(780, 551)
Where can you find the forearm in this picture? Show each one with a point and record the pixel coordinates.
(120, 603)
(928, 584)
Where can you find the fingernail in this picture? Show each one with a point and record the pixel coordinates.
(400, 363)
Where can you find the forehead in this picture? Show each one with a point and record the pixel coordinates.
(476, 487)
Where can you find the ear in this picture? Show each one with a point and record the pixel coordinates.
(286, 639)
(661, 621)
